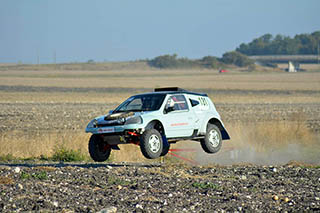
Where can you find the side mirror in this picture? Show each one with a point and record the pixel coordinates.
(111, 111)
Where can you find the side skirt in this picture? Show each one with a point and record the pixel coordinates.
(194, 136)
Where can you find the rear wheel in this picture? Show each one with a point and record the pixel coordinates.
(213, 139)
(151, 144)
(99, 151)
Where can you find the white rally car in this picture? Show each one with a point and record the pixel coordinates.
(154, 121)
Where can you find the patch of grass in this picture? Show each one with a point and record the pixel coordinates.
(7, 157)
(42, 175)
(25, 175)
(117, 181)
(306, 166)
(207, 185)
(44, 158)
(61, 153)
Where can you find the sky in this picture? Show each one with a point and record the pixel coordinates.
(121, 30)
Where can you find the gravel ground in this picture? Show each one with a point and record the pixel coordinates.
(156, 188)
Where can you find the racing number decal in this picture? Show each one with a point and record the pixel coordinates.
(203, 103)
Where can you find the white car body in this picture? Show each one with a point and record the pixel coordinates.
(177, 114)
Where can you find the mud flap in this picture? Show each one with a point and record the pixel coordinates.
(165, 141)
(115, 147)
(225, 135)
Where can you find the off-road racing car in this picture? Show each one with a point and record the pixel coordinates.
(154, 121)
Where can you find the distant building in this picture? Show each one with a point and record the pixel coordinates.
(291, 67)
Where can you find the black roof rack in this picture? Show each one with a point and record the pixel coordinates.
(170, 89)
(177, 90)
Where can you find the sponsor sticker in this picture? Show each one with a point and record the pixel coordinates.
(106, 130)
(179, 124)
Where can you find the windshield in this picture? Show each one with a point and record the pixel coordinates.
(139, 103)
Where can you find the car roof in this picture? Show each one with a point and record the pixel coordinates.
(173, 90)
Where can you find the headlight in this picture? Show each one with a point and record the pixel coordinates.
(92, 124)
(134, 120)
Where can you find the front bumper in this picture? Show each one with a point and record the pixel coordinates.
(114, 135)
(113, 129)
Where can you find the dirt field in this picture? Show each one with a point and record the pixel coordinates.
(52, 187)
(264, 112)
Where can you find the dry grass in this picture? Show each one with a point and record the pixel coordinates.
(260, 137)
(43, 144)
(129, 153)
(26, 145)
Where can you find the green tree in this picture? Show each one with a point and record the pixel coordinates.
(236, 58)
(173, 62)
(210, 62)
(164, 61)
(282, 45)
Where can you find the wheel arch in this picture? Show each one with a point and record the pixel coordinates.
(219, 124)
(156, 124)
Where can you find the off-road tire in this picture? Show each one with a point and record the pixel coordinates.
(151, 144)
(213, 139)
(98, 150)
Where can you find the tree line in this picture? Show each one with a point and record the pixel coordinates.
(301, 44)
(210, 62)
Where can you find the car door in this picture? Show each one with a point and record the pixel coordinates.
(178, 119)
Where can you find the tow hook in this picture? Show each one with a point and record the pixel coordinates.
(132, 133)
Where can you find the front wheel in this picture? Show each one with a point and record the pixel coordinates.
(213, 139)
(151, 144)
(99, 151)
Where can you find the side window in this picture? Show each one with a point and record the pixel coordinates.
(194, 102)
(178, 102)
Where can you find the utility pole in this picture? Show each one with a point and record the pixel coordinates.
(54, 57)
(318, 51)
(37, 56)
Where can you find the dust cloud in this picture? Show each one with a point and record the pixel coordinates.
(259, 148)
(292, 152)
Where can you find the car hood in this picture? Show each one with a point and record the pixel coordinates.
(121, 117)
